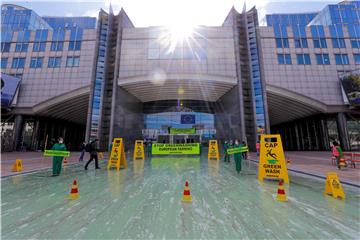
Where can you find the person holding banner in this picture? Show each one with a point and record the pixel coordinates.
(57, 160)
(237, 157)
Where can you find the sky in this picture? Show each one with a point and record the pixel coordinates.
(145, 13)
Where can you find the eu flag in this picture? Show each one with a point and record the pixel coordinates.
(188, 119)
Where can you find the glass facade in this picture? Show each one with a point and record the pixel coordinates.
(99, 79)
(284, 59)
(54, 62)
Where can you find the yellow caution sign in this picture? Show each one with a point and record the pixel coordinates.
(18, 166)
(213, 152)
(101, 155)
(272, 163)
(333, 186)
(117, 156)
(139, 150)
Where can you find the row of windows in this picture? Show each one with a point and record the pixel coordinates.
(318, 43)
(321, 59)
(37, 62)
(40, 46)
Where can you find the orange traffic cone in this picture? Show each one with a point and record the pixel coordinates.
(342, 163)
(281, 195)
(74, 191)
(187, 196)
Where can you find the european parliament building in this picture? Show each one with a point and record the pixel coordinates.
(83, 78)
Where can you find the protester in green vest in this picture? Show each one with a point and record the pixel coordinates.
(57, 161)
(226, 157)
(237, 157)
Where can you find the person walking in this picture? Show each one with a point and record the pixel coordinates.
(257, 148)
(82, 151)
(337, 153)
(226, 157)
(57, 160)
(93, 150)
(148, 148)
(244, 154)
(237, 157)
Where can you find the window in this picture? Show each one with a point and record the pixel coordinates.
(322, 59)
(320, 43)
(341, 59)
(74, 45)
(36, 62)
(357, 58)
(73, 61)
(5, 47)
(21, 47)
(54, 62)
(282, 43)
(284, 59)
(300, 42)
(355, 43)
(18, 63)
(338, 43)
(303, 59)
(39, 47)
(4, 62)
(56, 46)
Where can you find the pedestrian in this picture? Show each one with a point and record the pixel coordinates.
(226, 157)
(82, 151)
(244, 154)
(257, 148)
(237, 157)
(57, 160)
(337, 153)
(93, 150)
(148, 148)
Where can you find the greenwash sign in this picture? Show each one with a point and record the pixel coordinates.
(237, 150)
(56, 153)
(182, 130)
(185, 149)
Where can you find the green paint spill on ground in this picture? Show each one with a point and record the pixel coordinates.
(144, 202)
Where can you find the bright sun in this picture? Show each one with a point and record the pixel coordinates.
(179, 32)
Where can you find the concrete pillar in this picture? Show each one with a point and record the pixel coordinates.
(343, 131)
(18, 131)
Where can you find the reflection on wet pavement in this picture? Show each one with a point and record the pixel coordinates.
(144, 201)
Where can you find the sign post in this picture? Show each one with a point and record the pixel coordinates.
(117, 156)
(272, 159)
(213, 152)
(139, 150)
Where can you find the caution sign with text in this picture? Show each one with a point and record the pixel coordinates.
(18, 166)
(272, 163)
(213, 152)
(139, 150)
(333, 186)
(117, 156)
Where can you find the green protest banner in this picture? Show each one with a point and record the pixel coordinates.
(56, 153)
(183, 149)
(182, 130)
(237, 150)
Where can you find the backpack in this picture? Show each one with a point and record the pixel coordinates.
(88, 147)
